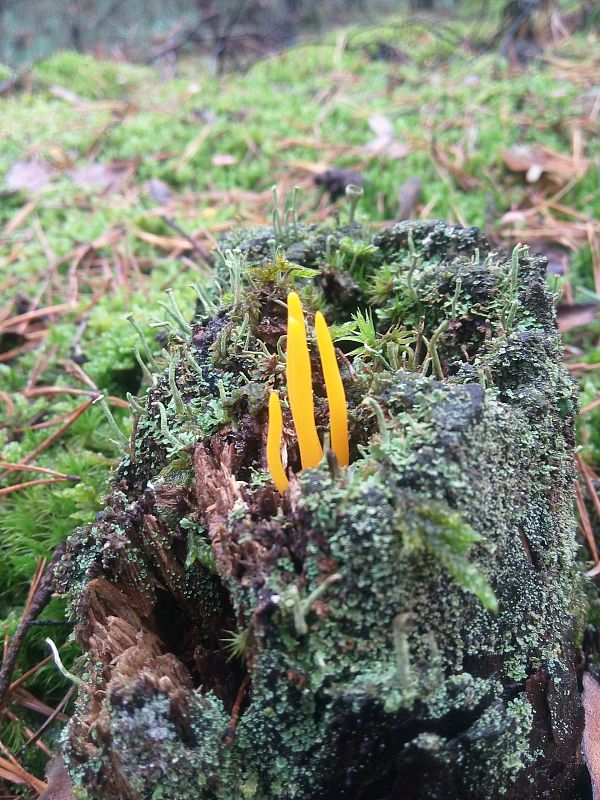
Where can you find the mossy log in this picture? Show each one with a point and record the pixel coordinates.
(402, 628)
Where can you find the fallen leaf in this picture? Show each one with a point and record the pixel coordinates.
(591, 731)
(67, 95)
(29, 176)
(385, 142)
(167, 243)
(224, 160)
(99, 177)
(159, 191)
(535, 161)
(408, 197)
(574, 316)
(467, 183)
(558, 257)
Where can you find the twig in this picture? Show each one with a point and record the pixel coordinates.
(40, 731)
(586, 524)
(36, 602)
(590, 407)
(36, 314)
(235, 711)
(10, 406)
(31, 468)
(18, 487)
(584, 470)
(47, 390)
(203, 252)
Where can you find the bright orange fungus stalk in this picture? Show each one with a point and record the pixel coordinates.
(300, 397)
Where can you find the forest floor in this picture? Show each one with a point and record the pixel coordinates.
(118, 179)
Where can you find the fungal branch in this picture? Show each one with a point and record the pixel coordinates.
(300, 397)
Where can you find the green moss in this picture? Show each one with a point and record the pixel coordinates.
(88, 77)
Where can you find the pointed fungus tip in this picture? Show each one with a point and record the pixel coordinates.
(300, 396)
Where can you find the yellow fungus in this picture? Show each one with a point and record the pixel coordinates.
(299, 385)
(274, 444)
(300, 397)
(336, 396)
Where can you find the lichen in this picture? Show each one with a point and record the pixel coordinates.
(379, 625)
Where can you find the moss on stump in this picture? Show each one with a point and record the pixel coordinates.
(403, 628)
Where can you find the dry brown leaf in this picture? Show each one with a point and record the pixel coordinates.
(223, 160)
(168, 243)
(467, 183)
(574, 316)
(30, 176)
(159, 191)
(385, 142)
(99, 177)
(535, 161)
(591, 731)
(408, 197)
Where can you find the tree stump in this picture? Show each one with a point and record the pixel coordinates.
(405, 627)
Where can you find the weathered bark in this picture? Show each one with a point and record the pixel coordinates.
(368, 661)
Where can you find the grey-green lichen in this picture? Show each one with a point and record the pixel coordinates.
(386, 630)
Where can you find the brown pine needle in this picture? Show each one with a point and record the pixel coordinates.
(35, 582)
(39, 744)
(36, 314)
(582, 367)
(12, 771)
(17, 351)
(235, 711)
(10, 406)
(591, 406)
(26, 675)
(23, 697)
(586, 525)
(51, 423)
(56, 714)
(586, 472)
(52, 438)
(31, 468)
(18, 487)
(49, 390)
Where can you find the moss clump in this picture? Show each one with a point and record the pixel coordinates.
(388, 629)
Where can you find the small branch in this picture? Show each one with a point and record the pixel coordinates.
(39, 600)
(235, 711)
(586, 525)
(44, 727)
(43, 470)
(199, 249)
(18, 487)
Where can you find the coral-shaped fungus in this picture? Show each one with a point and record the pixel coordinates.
(300, 396)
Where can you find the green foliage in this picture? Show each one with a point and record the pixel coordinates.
(388, 350)
(433, 527)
